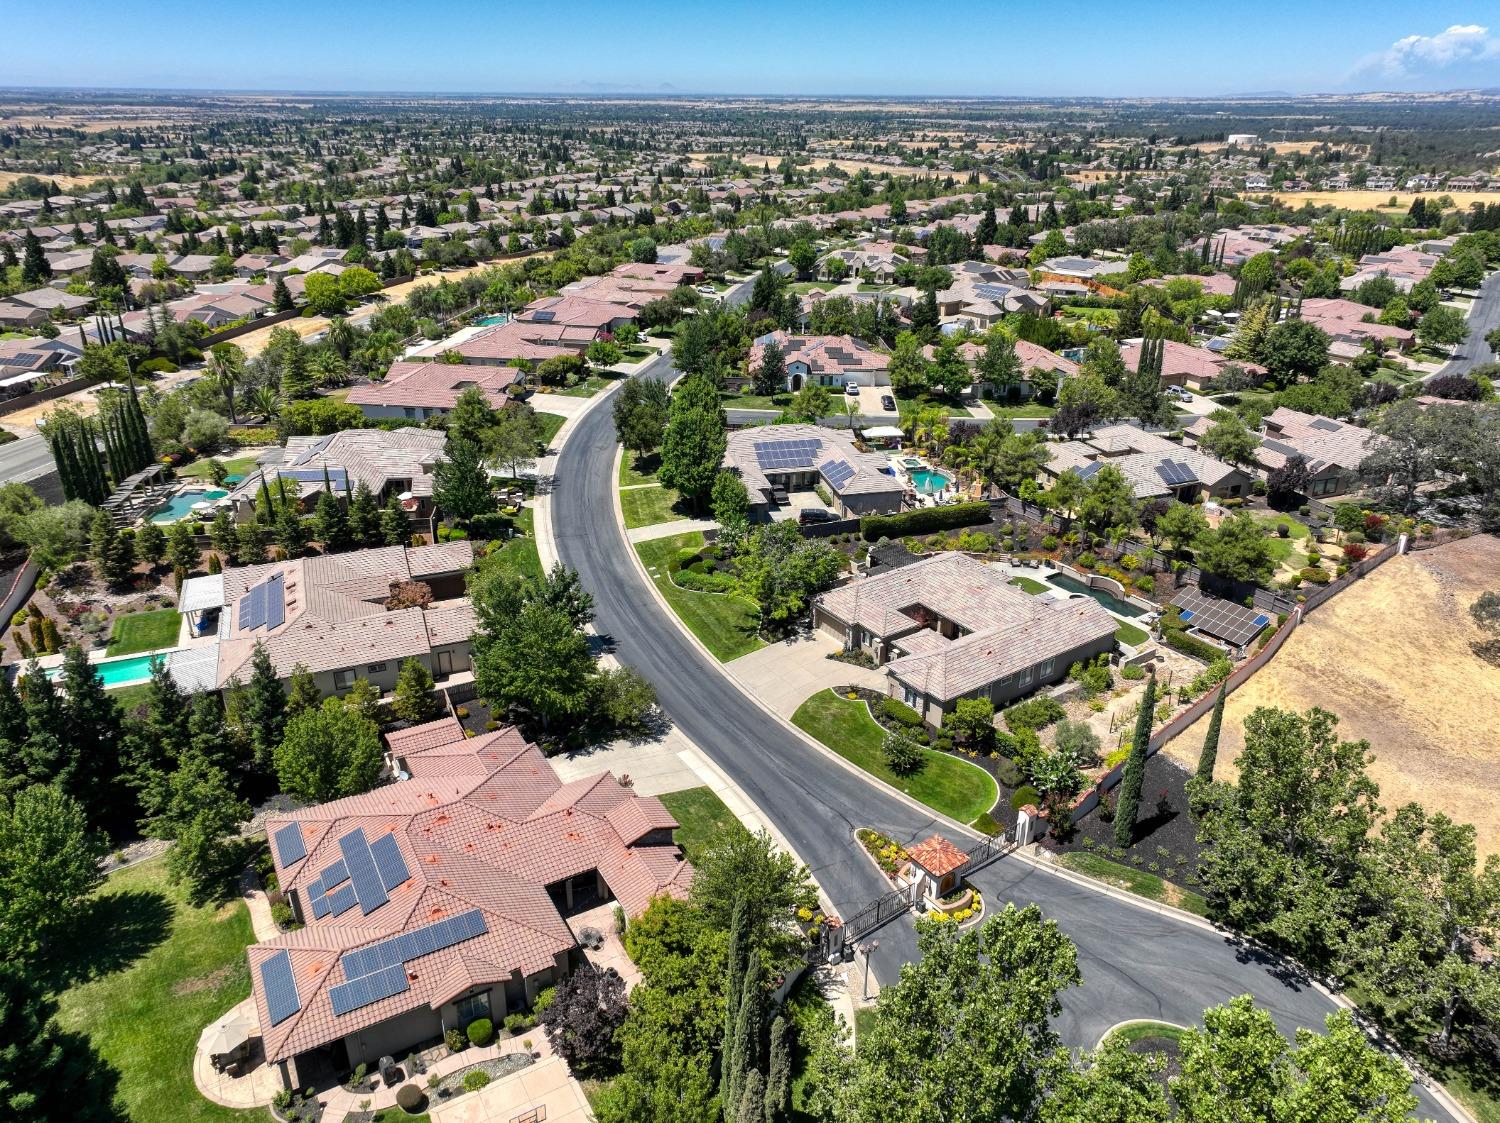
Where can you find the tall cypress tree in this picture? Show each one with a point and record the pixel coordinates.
(743, 1049)
(1134, 776)
(1210, 755)
(778, 1104)
(95, 733)
(735, 967)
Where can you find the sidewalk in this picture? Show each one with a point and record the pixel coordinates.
(667, 529)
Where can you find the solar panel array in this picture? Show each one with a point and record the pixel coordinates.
(253, 608)
(388, 861)
(1175, 473)
(783, 455)
(993, 291)
(275, 602)
(345, 997)
(421, 941)
(1090, 470)
(342, 899)
(838, 473)
(362, 872)
(289, 845)
(1223, 619)
(1325, 424)
(337, 477)
(279, 988)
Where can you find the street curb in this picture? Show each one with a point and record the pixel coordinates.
(542, 527)
(1103, 1037)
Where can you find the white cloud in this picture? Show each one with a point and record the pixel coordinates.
(1461, 43)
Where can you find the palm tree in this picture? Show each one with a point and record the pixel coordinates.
(226, 366)
(265, 401)
(341, 336)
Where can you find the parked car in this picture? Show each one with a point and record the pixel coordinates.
(851, 388)
(815, 515)
(887, 403)
(779, 496)
(707, 290)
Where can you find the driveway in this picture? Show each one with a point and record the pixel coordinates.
(654, 767)
(786, 674)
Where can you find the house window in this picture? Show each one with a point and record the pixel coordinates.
(474, 1007)
(409, 412)
(1046, 667)
(1005, 680)
(1025, 678)
(343, 680)
(375, 668)
(910, 696)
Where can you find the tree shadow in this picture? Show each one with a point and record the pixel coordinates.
(1283, 970)
(108, 933)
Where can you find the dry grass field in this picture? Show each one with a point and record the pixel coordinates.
(1378, 200)
(66, 182)
(760, 159)
(1390, 656)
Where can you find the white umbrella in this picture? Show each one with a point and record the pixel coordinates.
(203, 505)
(228, 1033)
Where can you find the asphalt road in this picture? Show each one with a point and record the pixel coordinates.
(25, 459)
(1484, 317)
(1135, 963)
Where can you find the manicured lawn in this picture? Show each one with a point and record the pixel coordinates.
(864, 1019)
(755, 401)
(199, 470)
(1025, 409)
(947, 784)
(1035, 588)
(588, 387)
(638, 469)
(647, 506)
(158, 970)
(1139, 882)
(550, 423)
(728, 625)
(145, 631)
(1130, 634)
(702, 819)
(910, 406)
(129, 697)
(520, 554)
(1140, 1031)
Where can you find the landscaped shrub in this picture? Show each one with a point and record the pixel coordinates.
(1316, 576)
(1094, 677)
(1025, 796)
(1133, 672)
(1049, 542)
(282, 914)
(902, 753)
(1086, 560)
(475, 1079)
(409, 1099)
(898, 711)
(455, 1040)
(703, 582)
(1179, 640)
(987, 825)
(1007, 772)
(1036, 713)
(481, 1031)
(157, 366)
(924, 520)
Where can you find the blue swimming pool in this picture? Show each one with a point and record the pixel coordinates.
(119, 672)
(180, 506)
(1113, 603)
(491, 321)
(930, 481)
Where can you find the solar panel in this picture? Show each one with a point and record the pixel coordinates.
(838, 473)
(317, 902)
(253, 608)
(275, 602)
(411, 945)
(1223, 619)
(1325, 424)
(289, 846)
(279, 987)
(1089, 471)
(388, 861)
(367, 989)
(342, 899)
(335, 874)
(362, 871)
(1175, 473)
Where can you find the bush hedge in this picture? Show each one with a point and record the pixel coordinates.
(1024, 796)
(899, 712)
(481, 1032)
(1037, 713)
(1008, 772)
(409, 1099)
(924, 520)
(1190, 645)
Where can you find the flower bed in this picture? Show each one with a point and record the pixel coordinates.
(888, 855)
(962, 907)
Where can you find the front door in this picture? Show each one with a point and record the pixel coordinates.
(444, 664)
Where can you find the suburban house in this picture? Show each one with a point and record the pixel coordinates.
(878, 263)
(824, 360)
(33, 309)
(338, 615)
(444, 897)
(31, 356)
(505, 343)
(1333, 449)
(789, 458)
(1350, 322)
(577, 312)
(391, 462)
(951, 627)
(1032, 357)
(431, 389)
(1183, 365)
(1155, 467)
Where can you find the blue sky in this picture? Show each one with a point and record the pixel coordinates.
(1088, 47)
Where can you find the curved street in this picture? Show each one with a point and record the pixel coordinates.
(1136, 963)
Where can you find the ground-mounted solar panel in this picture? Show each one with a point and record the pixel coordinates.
(367, 989)
(362, 871)
(289, 845)
(388, 861)
(342, 899)
(279, 987)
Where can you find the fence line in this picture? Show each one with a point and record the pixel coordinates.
(20, 591)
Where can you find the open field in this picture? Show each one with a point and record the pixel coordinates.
(1390, 656)
(66, 182)
(760, 159)
(1377, 200)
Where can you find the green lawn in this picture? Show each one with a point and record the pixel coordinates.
(947, 784)
(702, 819)
(908, 407)
(199, 470)
(754, 401)
(1139, 882)
(1035, 588)
(727, 625)
(129, 697)
(158, 971)
(520, 554)
(145, 631)
(647, 506)
(1025, 409)
(1130, 634)
(1139, 1031)
(636, 469)
(588, 387)
(550, 423)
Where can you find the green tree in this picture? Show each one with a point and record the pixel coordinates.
(694, 442)
(1294, 349)
(540, 663)
(908, 366)
(730, 500)
(999, 365)
(460, 484)
(182, 550)
(39, 1060)
(1110, 1085)
(770, 372)
(1237, 551)
(1181, 525)
(1127, 808)
(1443, 327)
(364, 518)
(1108, 503)
(809, 405)
(640, 410)
(264, 709)
(781, 571)
(201, 814)
(414, 699)
(395, 528)
(471, 416)
(151, 544)
(328, 753)
(331, 524)
(49, 862)
(1210, 754)
(302, 693)
(1229, 438)
(1009, 459)
(965, 1032)
(95, 736)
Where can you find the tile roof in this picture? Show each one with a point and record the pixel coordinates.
(823, 354)
(373, 457)
(870, 474)
(937, 855)
(1141, 457)
(491, 839)
(437, 385)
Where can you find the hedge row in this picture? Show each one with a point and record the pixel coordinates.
(1190, 645)
(924, 520)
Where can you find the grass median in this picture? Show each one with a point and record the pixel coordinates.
(728, 625)
(954, 787)
(1139, 882)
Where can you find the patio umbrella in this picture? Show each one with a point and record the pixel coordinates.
(203, 505)
(228, 1033)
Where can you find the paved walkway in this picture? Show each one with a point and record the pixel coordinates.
(786, 674)
(544, 1091)
(667, 529)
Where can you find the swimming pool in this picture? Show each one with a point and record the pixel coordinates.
(930, 481)
(180, 506)
(1113, 603)
(119, 672)
(491, 321)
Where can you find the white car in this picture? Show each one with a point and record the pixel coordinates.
(708, 290)
(851, 388)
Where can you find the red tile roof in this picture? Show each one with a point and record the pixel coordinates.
(937, 855)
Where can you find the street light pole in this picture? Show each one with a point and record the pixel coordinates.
(864, 989)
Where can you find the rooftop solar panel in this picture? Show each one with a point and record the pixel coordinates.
(275, 602)
(838, 473)
(1325, 424)
(411, 945)
(319, 905)
(279, 987)
(342, 899)
(1089, 471)
(289, 846)
(367, 989)
(335, 874)
(253, 608)
(362, 872)
(388, 861)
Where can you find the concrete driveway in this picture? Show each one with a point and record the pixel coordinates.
(786, 674)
